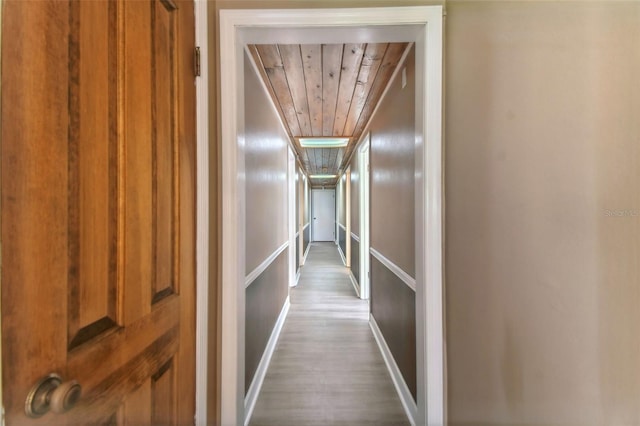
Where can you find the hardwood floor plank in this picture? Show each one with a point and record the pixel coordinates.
(327, 368)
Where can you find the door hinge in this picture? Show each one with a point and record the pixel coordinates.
(196, 61)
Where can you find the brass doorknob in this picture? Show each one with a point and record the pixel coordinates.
(51, 393)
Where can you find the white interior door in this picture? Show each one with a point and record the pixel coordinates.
(323, 206)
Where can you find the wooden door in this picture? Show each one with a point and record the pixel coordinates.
(98, 208)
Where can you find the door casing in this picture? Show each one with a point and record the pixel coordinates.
(421, 25)
(364, 204)
(203, 206)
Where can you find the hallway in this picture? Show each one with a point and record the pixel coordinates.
(327, 368)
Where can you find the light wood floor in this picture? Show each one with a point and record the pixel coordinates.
(327, 368)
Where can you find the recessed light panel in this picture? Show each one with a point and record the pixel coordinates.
(323, 176)
(323, 142)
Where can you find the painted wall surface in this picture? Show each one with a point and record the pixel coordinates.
(355, 259)
(393, 307)
(393, 173)
(543, 213)
(264, 301)
(266, 217)
(392, 219)
(266, 173)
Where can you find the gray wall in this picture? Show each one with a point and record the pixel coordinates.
(266, 173)
(542, 151)
(264, 301)
(392, 173)
(266, 217)
(392, 219)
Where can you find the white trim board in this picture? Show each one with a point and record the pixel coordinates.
(364, 212)
(355, 237)
(406, 278)
(404, 393)
(264, 265)
(306, 252)
(202, 211)
(344, 259)
(342, 226)
(254, 388)
(423, 25)
(354, 282)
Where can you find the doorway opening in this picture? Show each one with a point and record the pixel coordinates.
(420, 25)
(323, 207)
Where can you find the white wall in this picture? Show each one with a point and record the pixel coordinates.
(542, 284)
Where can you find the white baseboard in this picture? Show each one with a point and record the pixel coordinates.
(254, 390)
(354, 282)
(306, 252)
(344, 259)
(404, 393)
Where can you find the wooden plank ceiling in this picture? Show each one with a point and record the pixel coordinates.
(326, 90)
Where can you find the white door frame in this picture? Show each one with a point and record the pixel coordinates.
(419, 24)
(347, 216)
(291, 212)
(202, 211)
(363, 163)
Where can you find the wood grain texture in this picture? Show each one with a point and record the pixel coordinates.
(98, 197)
(255, 55)
(351, 60)
(312, 62)
(272, 62)
(327, 368)
(164, 80)
(389, 63)
(331, 70)
(92, 172)
(34, 266)
(326, 90)
(292, 62)
(368, 70)
(138, 159)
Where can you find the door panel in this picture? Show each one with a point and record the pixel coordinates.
(324, 214)
(92, 177)
(98, 208)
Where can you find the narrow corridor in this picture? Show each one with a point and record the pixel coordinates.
(327, 368)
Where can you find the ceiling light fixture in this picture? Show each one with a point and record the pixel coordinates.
(323, 176)
(323, 142)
